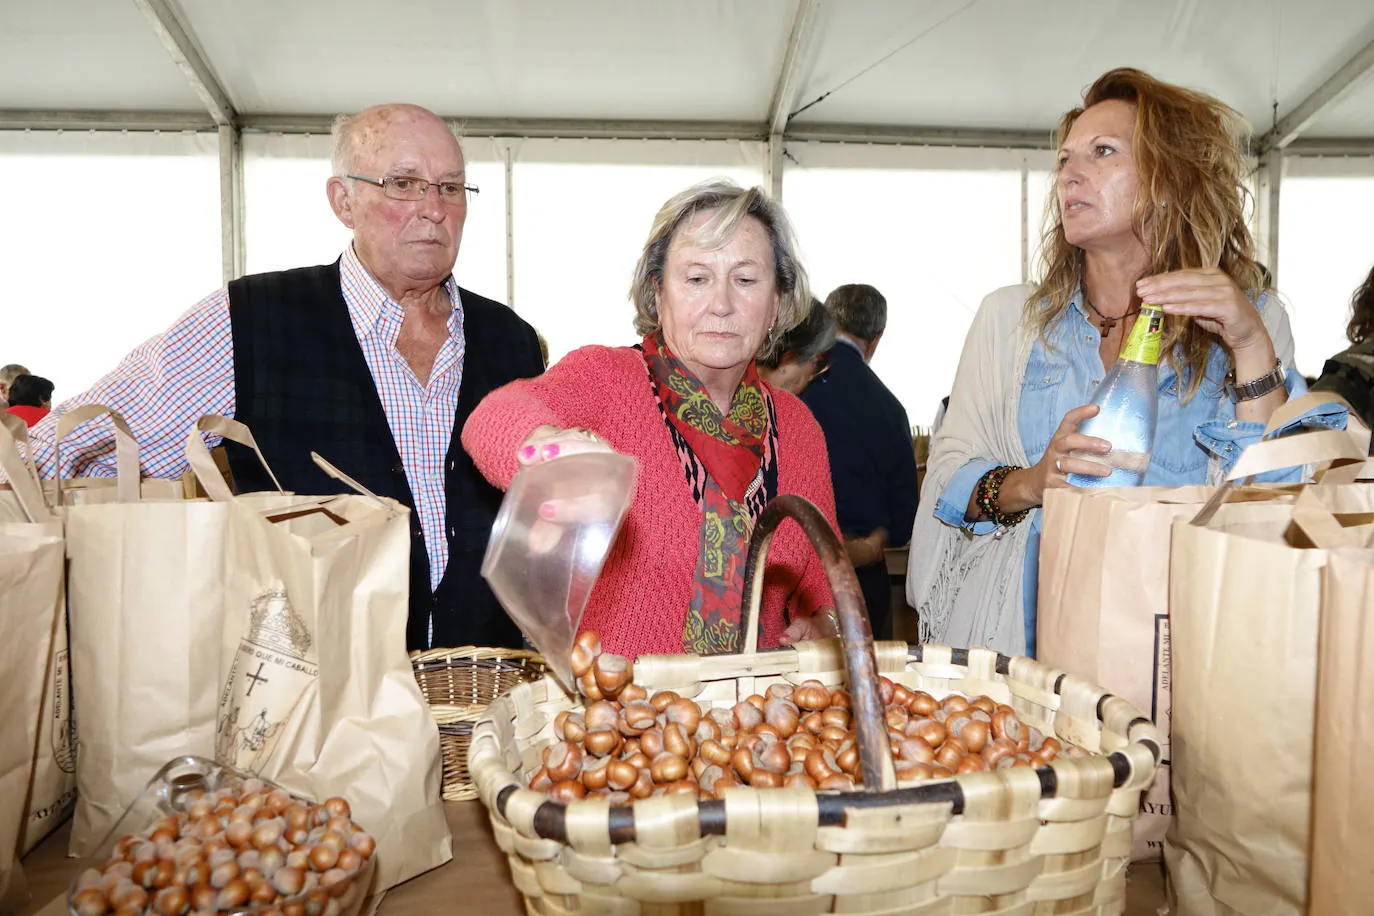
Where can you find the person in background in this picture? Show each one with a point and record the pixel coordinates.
(374, 361)
(1350, 373)
(30, 398)
(802, 354)
(1148, 205)
(872, 462)
(7, 376)
(717, 283)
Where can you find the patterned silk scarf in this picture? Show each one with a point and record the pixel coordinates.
(729, 462)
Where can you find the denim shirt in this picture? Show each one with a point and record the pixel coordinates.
(1064, 375)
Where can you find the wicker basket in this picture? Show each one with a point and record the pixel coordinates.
(1020, 841)
(459, 684)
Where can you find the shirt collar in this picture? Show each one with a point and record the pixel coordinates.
(841, 339)
(367, 301)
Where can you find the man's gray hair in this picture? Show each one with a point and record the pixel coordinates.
(859, 310)
(11, 372)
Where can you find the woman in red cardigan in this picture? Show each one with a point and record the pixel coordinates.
(717, 283)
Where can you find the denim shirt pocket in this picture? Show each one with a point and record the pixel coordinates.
(1177, 451)
(1040, 394)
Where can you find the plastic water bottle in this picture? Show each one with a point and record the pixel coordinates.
(1129, 402)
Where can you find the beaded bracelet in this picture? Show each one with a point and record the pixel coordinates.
(988, 495)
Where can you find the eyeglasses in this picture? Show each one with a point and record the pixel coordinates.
(820, 364)
(404, 187)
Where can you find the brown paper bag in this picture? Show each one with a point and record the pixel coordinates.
(1103, 609)
(145, 597)
(1245, 601)
(31, 613)
(319, 693)
(1343, 802)
(52, 796)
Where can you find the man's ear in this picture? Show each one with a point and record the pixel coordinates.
(872, 347)
(340, 201)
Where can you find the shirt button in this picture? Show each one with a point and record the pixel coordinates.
(1088, 338)
(1230, 449)
(1097, 381)
(452, 465)
(1045, 380)
(452, 532)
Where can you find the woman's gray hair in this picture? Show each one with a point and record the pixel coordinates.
(731, 204)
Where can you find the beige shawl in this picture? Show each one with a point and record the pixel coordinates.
(966, 588)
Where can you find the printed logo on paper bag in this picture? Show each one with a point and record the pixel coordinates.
(271, 670)
(63, 715)
(1161, 704)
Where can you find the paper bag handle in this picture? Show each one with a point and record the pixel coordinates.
(1324, 446)
(127, 468)
(22, 476)
(1319, 524)
(339, 475)
(203, 466)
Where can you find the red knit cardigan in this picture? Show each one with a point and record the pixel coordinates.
(640, 603)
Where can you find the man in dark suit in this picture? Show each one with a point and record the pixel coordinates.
(375, 361)
(872, 462)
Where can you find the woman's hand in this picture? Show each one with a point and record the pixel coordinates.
(546, 443)
(820, 625)
(1212, 299)
(1025, 489)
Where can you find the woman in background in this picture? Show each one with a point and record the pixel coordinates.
(1148, 205)
(30, 398)
(800, 355)
(1350, 373)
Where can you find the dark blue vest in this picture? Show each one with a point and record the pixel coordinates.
(302, 385)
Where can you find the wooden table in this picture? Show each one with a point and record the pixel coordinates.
(476, 881)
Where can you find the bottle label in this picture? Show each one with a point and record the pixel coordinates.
(1142, 346)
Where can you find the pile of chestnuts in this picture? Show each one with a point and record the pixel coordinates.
(253, 847)
(628, 744)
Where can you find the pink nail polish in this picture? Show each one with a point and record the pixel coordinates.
(527, 452)
(547, 511)
(551, 450)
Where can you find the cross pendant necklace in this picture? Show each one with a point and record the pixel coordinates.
(1105, 322)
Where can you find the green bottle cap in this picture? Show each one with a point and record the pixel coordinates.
(1142, 346)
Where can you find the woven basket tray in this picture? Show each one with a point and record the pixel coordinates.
(459, 684)
(1019, 841)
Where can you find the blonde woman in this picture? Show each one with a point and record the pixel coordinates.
(718, 282)
(1148, 205)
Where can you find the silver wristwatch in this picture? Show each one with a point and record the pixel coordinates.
(1257, 388)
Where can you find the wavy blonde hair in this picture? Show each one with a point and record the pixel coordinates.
(1189, 149)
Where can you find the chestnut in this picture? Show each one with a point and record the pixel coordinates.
(747, 715)
(668, 767)
(683, 712)
(567, 791)
(715, 753)
(675, 741)
(975, 735)
(621, 775)
(916, 750)
(780, 691)
(811, 695)
(586, 685)
(835, 716)
(595, 772)
(612, 672)
(886, 688)
(585, 649)
(1006, 725)
(661, 698)
(783, 715)
(601, 742)
(651, 743)
(766, 779)
(643, 785)
(563, 761)
(89, 902)
(632, 692)
(636, 717)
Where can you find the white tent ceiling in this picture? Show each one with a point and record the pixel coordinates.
(996, 71)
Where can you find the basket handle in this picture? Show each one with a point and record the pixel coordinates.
(860, 662)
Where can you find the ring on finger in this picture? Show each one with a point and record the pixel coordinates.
(1057, 465)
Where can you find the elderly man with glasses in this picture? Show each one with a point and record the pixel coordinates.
(374, 361)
